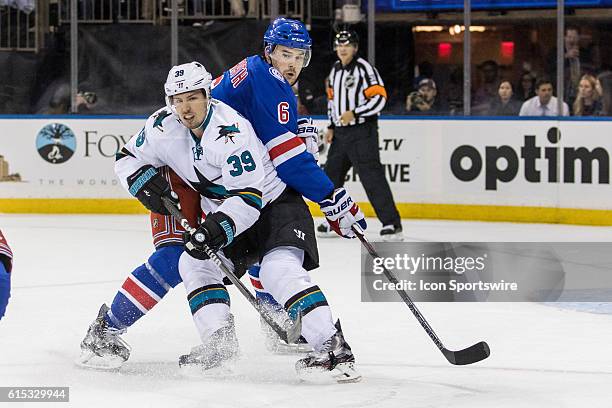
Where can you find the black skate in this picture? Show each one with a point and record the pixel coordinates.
(392, 233)
(222, 347)
(103, 348)
(334, 361)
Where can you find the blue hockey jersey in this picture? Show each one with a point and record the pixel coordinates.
(261, 94)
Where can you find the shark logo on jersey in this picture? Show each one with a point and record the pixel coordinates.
(159, 118)
(207, 188)
(228, 131)
(197, 152)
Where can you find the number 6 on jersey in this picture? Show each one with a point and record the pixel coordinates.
(283, 113)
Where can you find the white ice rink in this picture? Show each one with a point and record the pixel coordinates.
(66, 266)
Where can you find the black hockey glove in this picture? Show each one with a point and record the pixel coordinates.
(148, 186)
(217, 231)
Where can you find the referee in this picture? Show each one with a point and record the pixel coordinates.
(356, 95)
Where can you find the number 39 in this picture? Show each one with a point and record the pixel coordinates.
(283, 112)
(243, 163)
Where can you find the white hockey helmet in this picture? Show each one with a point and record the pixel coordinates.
(186, 78)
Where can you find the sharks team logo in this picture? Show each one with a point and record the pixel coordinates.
(159, 119)
(228, 132)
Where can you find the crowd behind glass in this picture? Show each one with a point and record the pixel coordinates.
(499, 87)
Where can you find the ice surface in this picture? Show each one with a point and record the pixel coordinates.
(66, 266)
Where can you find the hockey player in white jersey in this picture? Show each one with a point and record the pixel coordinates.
(249, 211)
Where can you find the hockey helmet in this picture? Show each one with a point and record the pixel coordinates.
(346, 37)
(186, 78)
(290, 33)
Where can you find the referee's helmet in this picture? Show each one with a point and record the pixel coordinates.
(346, 37)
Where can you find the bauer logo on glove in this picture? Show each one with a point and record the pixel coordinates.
(341, 209)
(342, 213)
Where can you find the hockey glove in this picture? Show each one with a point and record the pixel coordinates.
(342, 213)
(309, 133)
(148, 186)
(216, 232)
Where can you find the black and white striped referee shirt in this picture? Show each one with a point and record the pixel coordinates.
(357, 87)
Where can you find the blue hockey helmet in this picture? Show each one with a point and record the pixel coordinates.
(290, 33)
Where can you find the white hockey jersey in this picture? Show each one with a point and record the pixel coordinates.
(229, 166)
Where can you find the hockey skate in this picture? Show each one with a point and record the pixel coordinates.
(335, 361)
(218, 350)
(103, 348)
(392, 233)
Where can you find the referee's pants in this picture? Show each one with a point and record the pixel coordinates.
(357, 146)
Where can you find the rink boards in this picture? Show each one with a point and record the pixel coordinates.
(448, 168)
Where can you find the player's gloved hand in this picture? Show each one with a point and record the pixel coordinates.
(216, 232)
(309, 133)
(149, 186)
(342, 213)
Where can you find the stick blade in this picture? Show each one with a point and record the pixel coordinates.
(470, 355)
(295, 330)
(290, 334)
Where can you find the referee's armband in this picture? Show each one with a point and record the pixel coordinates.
(374, 90)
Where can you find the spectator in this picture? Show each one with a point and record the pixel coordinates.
(587, 101)
(544, 103)
(454, 90)
(604, 89)
(526, 87)
(487, 91)
(59, 103)
(504, 104)
(577, 61)
(424, 101)
(425, 70)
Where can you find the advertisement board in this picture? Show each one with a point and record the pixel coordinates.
(547, 170)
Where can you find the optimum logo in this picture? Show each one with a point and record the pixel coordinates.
(56, 143)
(558, 164)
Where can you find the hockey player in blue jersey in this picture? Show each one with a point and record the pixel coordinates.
(260, 89)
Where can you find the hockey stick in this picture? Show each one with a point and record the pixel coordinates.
(291, 335)
(470, 355)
